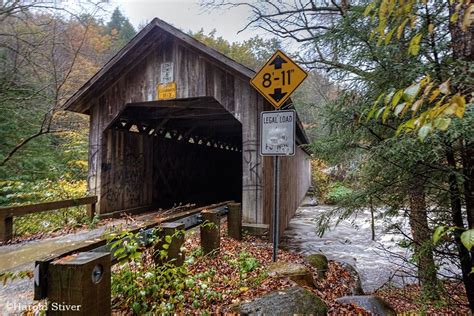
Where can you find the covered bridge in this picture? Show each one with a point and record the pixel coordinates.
(195, 140)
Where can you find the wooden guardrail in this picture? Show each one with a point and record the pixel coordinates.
(100, 245)
(83, 280)
(7, 213)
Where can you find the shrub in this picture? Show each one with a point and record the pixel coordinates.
(319, 179)
(337, 192)
(145, 287)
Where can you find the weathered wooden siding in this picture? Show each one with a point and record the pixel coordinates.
(127, 177)
(295, 180)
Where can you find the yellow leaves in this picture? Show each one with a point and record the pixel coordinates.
(442, 123)
(424, 131)
(374, 108)
(411, 92)
(434, 95)
(433, 107)
(444, 87)
(383, 8)
(401, 28)
(427, 90)
(388, 97)
(400, 108)
(468, 18)
(457, 106)
(380, 112)
(82, 164)
(414, 47)
(389, 36)
(435, 117)
(416, 106)
(369, 8)
(430, 28)
(413, 20)
(385, 114)
(454, 17)
(396, 97)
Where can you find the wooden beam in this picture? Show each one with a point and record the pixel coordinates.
(21, 210)
(188, 103)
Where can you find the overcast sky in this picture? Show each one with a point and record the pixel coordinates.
(188, 15)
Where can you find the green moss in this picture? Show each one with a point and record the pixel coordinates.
(320, 262)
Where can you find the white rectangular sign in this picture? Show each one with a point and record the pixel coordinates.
(166, 74)
(277, 133)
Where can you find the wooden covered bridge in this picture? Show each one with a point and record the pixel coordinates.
(172, 120)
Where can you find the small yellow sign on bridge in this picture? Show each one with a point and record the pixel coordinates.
(278, 78)
(166, 91)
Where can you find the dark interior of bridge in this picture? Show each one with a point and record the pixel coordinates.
(197, 149)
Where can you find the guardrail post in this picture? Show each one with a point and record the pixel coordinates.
(80, 285)
(91, 210)
(6, 227)
(175, 231)
(210, 231)
(234, 221)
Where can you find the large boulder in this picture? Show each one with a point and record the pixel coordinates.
(295, 300)
(319, 262)
(374, 304)
(296, 272)
(356, 284)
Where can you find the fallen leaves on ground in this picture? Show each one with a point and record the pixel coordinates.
(236, 287)
(408, 300)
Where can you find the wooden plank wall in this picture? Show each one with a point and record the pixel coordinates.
(295, 180)
(127, 176)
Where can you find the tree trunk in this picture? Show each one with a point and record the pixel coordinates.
(372, 217)
(421, 233)
(468, 173)
(456, 212)
(462, 43)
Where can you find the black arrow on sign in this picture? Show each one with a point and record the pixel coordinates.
(277, 95)
(278, 61)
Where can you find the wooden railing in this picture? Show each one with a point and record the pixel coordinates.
(7, 213)
(46, 278)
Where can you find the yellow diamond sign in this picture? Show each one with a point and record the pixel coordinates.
(278, 78)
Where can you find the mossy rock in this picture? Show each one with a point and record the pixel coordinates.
(296, 272)
(295, 300)
(319, 262)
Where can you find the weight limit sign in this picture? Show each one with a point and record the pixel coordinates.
(277, 133)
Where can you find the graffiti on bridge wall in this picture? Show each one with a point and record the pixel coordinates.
(124, 181)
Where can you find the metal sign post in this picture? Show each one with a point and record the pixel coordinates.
(276, 209)
(276, 81)
(277, 139)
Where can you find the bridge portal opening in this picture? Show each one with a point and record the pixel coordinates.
(163, 153)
